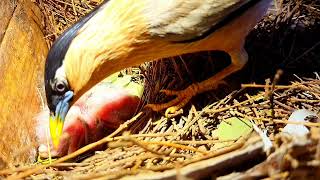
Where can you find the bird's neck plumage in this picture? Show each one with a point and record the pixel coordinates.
(107, 40)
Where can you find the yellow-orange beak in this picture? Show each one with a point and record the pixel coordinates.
(56, 126)
(56, 121)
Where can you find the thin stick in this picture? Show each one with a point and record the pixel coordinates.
(179, 146)
(145, 146)
(267, 86)
(74, 8)
(203, 142)
(305, 100)
(283, 105)
(142, 135)
(309, 124)
(236, 105)
(48, 146)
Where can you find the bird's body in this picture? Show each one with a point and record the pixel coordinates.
(121, 33)
(128, 33)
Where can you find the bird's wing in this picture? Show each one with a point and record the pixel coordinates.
(190, 20)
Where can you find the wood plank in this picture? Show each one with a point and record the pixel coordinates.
(22, 56)
(7, 8)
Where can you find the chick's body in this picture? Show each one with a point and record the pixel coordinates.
(99, 111)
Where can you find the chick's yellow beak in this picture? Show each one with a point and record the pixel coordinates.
(56, 121)
(56, 126)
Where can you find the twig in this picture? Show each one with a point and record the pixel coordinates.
(271, 92)
(179, 146)
(267, 86)
(283, 105)
(203, 142)
(74, 8)
(236, 105)
(305, 100)
(309, 124)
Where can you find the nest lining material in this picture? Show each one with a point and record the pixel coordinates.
(170, 143)
(179, 145)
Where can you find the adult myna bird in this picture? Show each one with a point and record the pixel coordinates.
(124, 33)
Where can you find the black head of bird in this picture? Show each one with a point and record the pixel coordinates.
(58, 93)
(120, 34)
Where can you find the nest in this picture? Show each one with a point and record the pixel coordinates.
(186, 145)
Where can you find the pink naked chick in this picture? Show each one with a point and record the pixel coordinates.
(97, 113)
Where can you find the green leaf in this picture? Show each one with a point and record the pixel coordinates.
(135, 89)
(122, 81)
(233, 128)
(125, 81)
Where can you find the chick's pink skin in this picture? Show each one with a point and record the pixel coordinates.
(94, 115)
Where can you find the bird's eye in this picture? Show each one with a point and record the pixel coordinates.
(60, 87)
